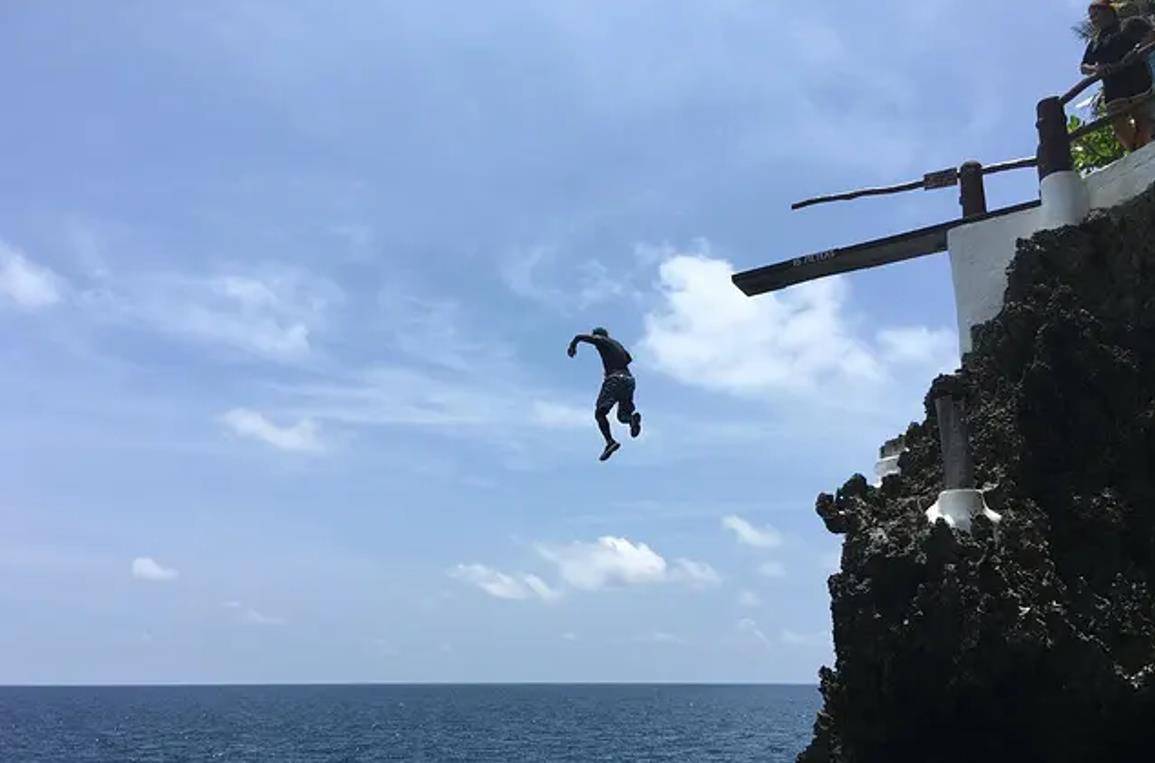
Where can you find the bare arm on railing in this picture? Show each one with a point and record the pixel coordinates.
(1094, 74)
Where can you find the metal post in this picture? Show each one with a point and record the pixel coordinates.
(958, 469)
(1054, 142)
(972, 195)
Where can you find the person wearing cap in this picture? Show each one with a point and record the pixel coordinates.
(617, 386)
(1126, 77)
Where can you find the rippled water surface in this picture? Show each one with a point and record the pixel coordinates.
(434, 723)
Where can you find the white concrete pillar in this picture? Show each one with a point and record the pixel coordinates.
(1065, 199)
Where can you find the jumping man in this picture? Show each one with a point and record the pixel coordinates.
(617, 388)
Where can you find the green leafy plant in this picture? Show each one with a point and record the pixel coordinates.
(1098, 149)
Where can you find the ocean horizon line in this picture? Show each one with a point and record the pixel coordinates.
(398, 684)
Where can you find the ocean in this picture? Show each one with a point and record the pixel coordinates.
(507, 723)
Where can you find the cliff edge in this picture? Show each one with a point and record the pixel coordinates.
(1033, 640)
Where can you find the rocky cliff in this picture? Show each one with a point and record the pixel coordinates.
(1035, 640)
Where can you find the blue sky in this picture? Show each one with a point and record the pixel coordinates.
(285, 294)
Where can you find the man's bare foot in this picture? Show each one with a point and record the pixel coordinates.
(635, 424)
(611, 448)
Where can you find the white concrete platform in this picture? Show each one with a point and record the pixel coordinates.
(980, 252)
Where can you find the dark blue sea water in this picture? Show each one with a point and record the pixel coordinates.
(504, 723)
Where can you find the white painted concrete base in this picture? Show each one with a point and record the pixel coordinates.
(885, 467)
(979, 255)
(1065, 198)
(959, 507)
(1125, 179)
(980, 252)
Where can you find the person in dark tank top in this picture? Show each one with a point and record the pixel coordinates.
(1126, 77)
(617, 389)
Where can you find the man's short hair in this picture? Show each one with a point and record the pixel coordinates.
(599, 331)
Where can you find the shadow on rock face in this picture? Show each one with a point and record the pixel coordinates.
(1035, 642)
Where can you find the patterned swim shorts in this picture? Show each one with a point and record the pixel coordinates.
(617, 389)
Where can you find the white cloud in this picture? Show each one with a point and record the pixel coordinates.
(707, 333)
(587, 282)
(759, 537)
(697, 574)
(749, 600)
(772, 569)
(147, 568)
(750, 629)
(569, 636)
(919, 346)
(436, 330)
(610, 560)
(598, 285)
(301, 436)
(660, 637)
(273, 316)
(23, 282)
(619, 561)
(502, 586)
(540, 588)
(461, 405)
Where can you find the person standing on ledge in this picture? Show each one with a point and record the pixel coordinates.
(617, 388)
(1126, 77)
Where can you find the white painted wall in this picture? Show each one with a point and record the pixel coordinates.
(979, 255)
(1123, 180)
(980, 252)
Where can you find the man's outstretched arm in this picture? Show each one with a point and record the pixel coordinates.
(580, 338)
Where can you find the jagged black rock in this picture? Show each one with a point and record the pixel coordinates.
(1034, 641)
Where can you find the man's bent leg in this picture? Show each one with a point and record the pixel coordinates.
(604, 424)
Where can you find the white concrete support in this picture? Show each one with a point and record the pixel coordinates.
(979, 255)
(1065, 200)
(885, 467)
(959, 507)
(1123, 180)
(980, 252)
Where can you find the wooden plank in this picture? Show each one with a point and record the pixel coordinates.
(844, 260)
(870, 254)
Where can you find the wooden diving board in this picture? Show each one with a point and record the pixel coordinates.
(883, 251)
